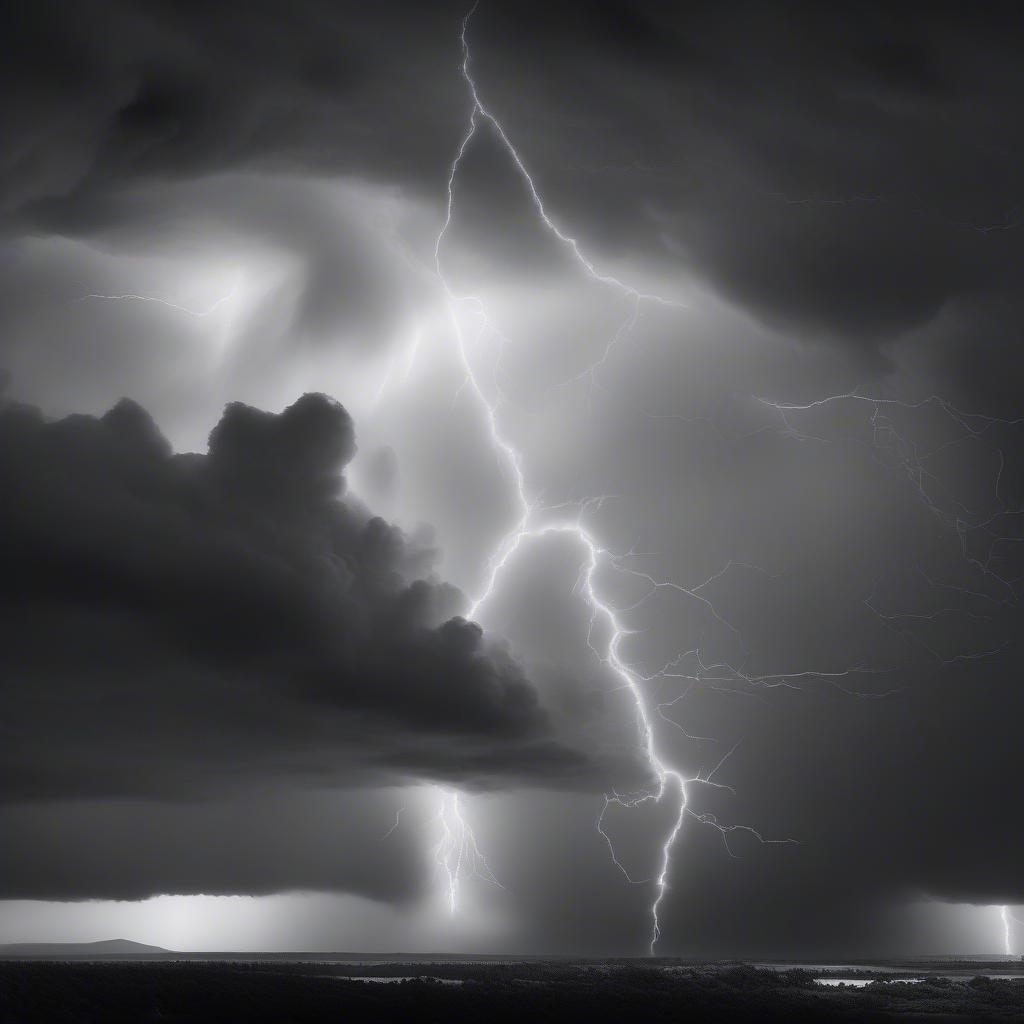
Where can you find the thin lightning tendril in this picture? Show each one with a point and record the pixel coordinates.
(394, 827)
(198, 314)
(896, 451)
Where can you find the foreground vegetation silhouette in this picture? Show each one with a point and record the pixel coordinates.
(70, 993)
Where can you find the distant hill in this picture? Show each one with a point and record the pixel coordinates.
(63, 950)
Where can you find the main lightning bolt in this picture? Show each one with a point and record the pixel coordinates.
(456, 836)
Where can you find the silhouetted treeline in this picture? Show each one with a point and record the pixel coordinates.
(295, 993)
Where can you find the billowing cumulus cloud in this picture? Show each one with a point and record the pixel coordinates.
(183, 625)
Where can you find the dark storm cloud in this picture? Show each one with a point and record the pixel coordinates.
(266, 842)
(106, 92)
(178, 625)
(842, 171)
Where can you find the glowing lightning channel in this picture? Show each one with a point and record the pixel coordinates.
(457, 849)
(1004, 913)
(568, 240)
(457, 838)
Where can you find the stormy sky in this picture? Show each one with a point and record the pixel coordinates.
(378, 466)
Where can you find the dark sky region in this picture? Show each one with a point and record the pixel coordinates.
(251, 485)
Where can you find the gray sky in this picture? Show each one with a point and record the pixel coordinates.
(756, 381)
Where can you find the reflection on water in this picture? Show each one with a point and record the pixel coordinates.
(955, 970)
(388, 979)
(864, 982)
(838, 968)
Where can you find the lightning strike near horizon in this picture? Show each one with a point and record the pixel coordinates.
(457, 849)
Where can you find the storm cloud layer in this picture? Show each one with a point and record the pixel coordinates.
(737, 143)
(176, 624)
(804, 470)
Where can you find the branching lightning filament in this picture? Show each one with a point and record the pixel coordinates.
(457, 840)
(457, 852)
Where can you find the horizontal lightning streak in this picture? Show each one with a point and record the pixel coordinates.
(198, 314)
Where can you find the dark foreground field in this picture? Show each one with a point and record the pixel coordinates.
(488, 993)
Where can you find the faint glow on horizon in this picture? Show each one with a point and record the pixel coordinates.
(273, 923)
(338, 922)
(175, 922)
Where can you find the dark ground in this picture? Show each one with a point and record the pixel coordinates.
(491, 992)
